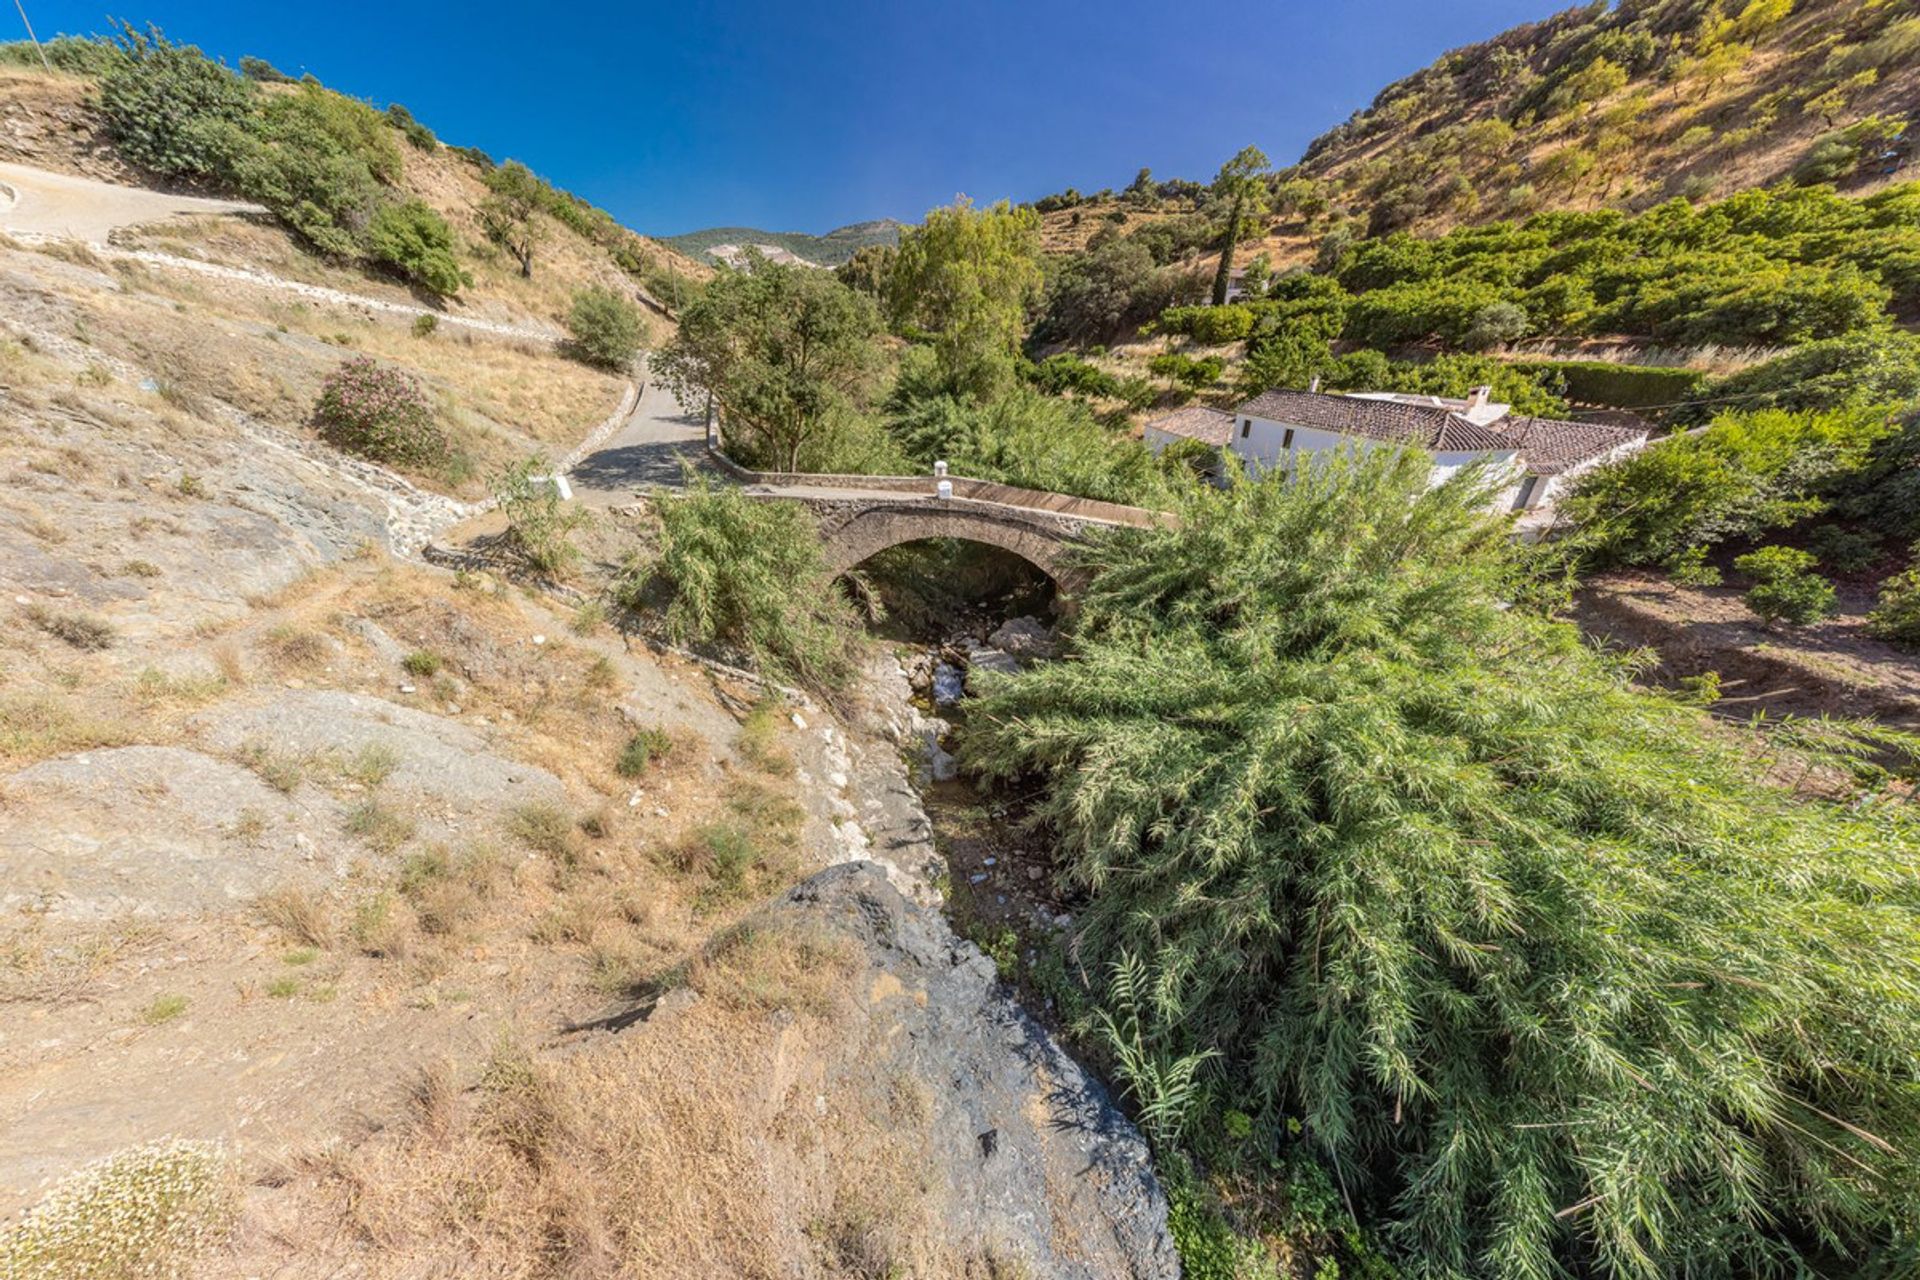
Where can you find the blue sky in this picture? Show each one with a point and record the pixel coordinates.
(797, 115)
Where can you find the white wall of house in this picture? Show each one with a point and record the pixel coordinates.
(1551, 488)
(1264, 445)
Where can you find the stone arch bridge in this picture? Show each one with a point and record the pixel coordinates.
(860, 516)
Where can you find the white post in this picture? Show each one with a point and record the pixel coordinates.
(944, 490)
(940, 467)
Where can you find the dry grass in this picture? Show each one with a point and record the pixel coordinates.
(303, 916)
(38, 727)
(383, 827)
(761, 738)
(715, 1143)
(385, 925)
(37, 968)
(83, 631)
(288, 647)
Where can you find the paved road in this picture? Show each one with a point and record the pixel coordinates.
(36, 202)
(647, 451)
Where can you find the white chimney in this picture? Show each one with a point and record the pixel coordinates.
(1314, 386)
(1479, 398)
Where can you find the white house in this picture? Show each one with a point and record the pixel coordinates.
(1284, 429)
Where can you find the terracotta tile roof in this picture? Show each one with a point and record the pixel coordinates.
(1392, 421)
(1197, 422)
(1550, 445)
(1546, 445)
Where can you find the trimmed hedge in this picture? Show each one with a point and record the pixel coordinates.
(1621, 386)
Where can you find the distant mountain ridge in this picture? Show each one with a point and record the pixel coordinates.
(829, 250)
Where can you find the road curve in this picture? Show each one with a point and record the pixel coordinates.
(35, 202)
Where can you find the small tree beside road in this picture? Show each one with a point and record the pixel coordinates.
(607, 330)
(783, 350)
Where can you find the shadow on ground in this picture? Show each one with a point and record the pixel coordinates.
(645, 464)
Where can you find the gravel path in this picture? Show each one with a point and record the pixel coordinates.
(36, 205)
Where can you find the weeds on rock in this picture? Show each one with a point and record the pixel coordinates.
(304, 917)
(149, 1211)
(642, 749)
(81, 630)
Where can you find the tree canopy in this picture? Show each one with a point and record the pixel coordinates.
(966, 278)
(788, 353)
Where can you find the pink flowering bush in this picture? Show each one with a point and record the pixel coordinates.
(379, 412)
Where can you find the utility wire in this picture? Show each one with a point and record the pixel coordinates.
(21, 5)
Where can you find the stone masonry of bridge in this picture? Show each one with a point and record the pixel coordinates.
(861, 515)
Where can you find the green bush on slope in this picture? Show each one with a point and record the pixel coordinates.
(749, 574)
(1528, 953)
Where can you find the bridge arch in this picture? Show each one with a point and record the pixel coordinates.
(874, 527)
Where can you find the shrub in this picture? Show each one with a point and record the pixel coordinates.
(415, 242)
(1844, 550)
(379, 412)
(1210, 326)
(417, 134)
(260, 71)
(749, 575)
(1864, 368)
(1108, 290)
(1785, 586)
(1028, 439)
(1061, 373)
(642, 749)
(540, 525)
(1689, 568)
(425, 324)
(319, 161)
(1496, 325)
(1183, 370)
(1896, 616)
(1746, 473)
(147, 1211)
(171, 110)
(607, 329)
(81, 630)
(1288, 817)
(91, 56)
(1623, 386)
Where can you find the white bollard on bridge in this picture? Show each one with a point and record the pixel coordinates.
(940, 467)
(943, 490)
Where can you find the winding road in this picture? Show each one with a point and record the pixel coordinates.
(36, 202)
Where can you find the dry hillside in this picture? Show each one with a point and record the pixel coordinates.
(360, 916)
(52, 122)
(1594, 107)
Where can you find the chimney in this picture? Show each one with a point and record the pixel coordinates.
(1479, 398)
(1314, 386)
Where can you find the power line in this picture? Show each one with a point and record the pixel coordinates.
(22, 7)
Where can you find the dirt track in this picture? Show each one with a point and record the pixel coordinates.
(36, 202)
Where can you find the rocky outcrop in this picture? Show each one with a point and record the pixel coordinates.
(1038, 1164)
